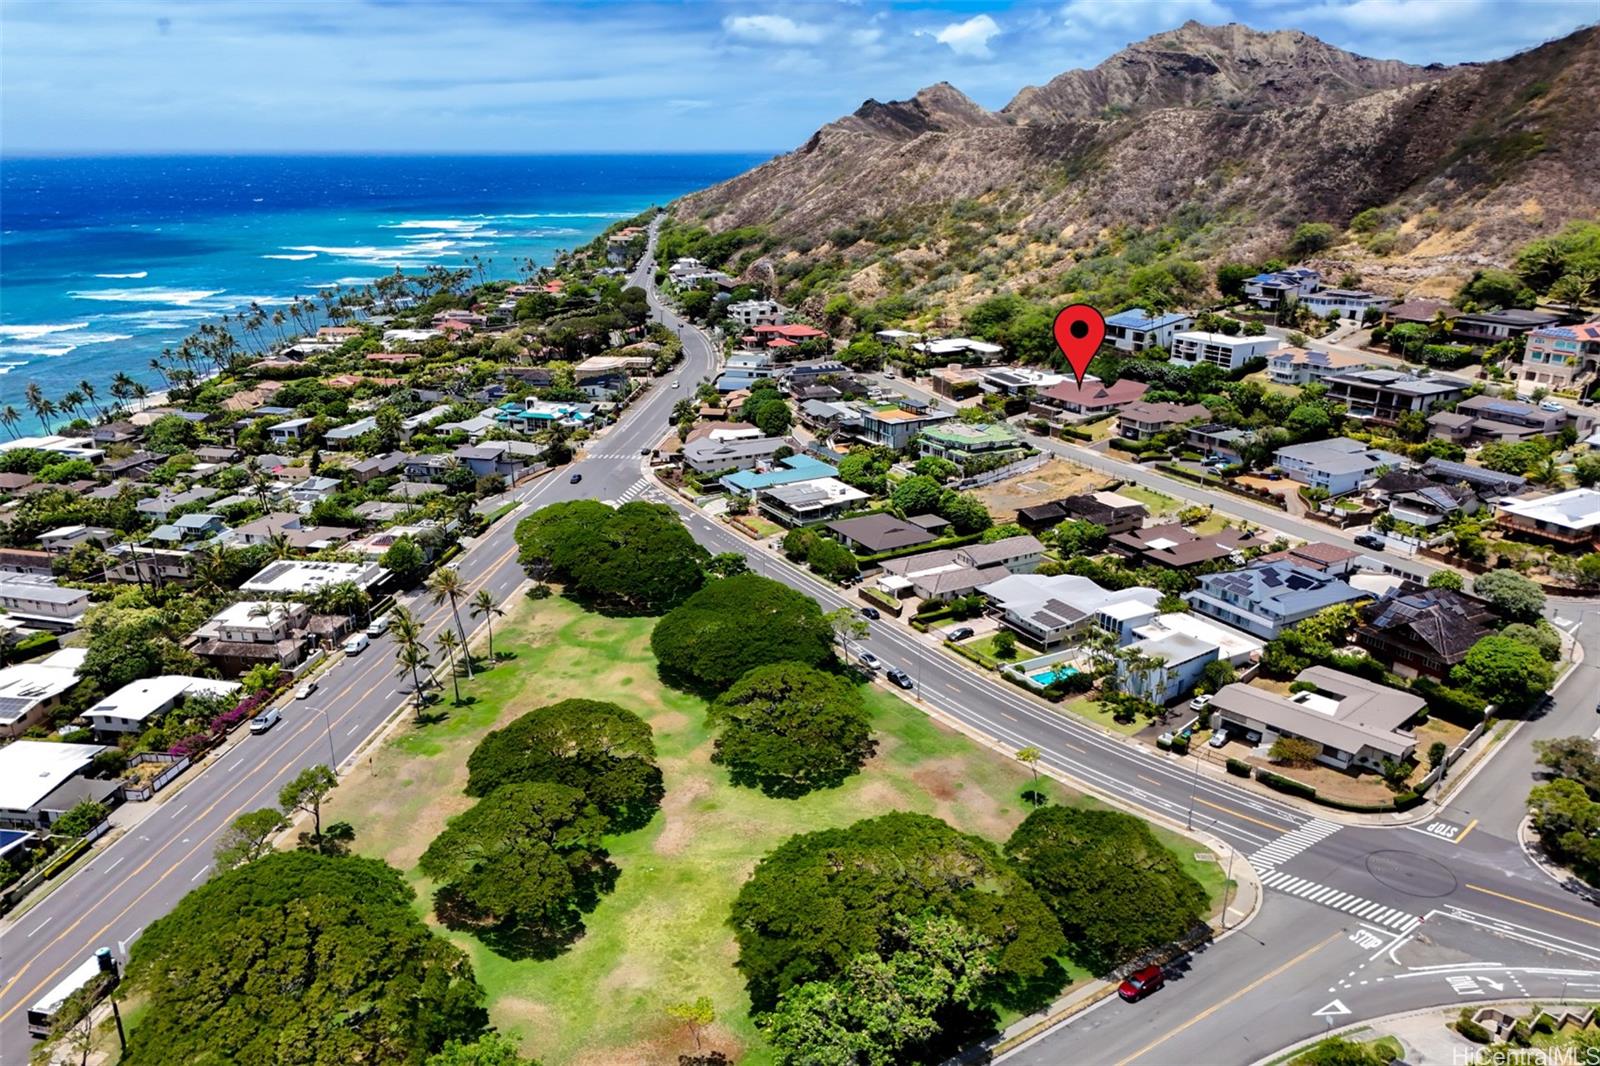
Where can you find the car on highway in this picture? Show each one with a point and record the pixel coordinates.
(1371, 540)
(871, 613)
(378, 627)
(871, 661)
(265, 720)
(677, 384)
(304, 691)
(1199, 703)
(356, 644)
(1549, 405)
(959, 633)
(574, 479)
(1219, 738)
(1141, 983)
(899, 677)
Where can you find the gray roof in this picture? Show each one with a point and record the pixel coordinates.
(707, 450)
(1367, 714)
(1291, 589)
(1340, 455)
(1484, 480)
(881, 532)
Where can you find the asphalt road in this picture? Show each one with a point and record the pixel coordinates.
(141, 875)
(1342, 906)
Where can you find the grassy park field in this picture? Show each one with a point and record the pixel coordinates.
(661, 937)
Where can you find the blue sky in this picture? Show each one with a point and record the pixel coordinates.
(450, 75)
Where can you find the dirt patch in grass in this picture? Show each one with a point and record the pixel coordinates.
(661, 936)
(1051, 481)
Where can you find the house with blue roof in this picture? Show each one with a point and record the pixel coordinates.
(1269, 290)
(790, 469)
(1135, 329)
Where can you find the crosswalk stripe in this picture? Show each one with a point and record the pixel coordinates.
(1326, 896)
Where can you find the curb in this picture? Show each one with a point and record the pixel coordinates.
(1289, 1050)
(1559, 874)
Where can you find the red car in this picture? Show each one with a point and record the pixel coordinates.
(1141, 983)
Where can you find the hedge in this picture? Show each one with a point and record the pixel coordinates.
(1472, 1030)
(1074, 433)
(1284, 784)
(1238, 768)
(34, 645)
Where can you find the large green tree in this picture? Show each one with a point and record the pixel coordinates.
(788, 728)
(521, 868)
(1505, 671)
(1517, 598)
(299, 958)
(604, 751)
(637, 558)
(915, 1004)
(1115, 889)
(736, 624)
(820, 900)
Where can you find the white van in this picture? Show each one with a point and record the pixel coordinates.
(356, 644)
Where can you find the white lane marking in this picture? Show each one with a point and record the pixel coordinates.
(180, 810)
(41, 925)
(114, 865)
(201, 874)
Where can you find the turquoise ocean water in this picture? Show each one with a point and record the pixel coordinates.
(105, 261)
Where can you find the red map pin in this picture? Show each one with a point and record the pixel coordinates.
(1079, 329)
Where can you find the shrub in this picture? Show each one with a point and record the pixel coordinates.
(1238, 768)
(1292, 751)
(1284, 784)
(1471, 1029)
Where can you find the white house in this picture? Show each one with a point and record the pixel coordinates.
(1219, 349)
(30, 691)
(39, 600)
(39, 780)
(1135, 329)
(1346, 303)
(748, 313)
(1047, 610)
(1163, 668)
(1357, 722)
(136, 704)
(1338, 465)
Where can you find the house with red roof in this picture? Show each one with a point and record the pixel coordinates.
(1093, 397)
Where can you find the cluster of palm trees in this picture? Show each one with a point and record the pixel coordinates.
(411, 650)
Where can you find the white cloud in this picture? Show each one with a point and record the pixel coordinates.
(1141, 17)
(772, 29)
(969, 38)
(863, 38)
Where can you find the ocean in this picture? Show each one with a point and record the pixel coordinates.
(106, 261)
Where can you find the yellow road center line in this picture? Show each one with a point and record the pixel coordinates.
(1246, 817)
(1246, 990)
(1535, 906)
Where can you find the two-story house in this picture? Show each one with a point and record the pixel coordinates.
(1141, 420)
(1557, 357)
(1289, 365)
(1338, 466)
(1136, 330)
(1382, 396)
(1267, 598)
(1219, 349)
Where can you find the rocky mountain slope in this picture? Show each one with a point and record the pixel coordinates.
(1203, 144)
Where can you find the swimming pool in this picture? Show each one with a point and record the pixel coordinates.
(1055, 674)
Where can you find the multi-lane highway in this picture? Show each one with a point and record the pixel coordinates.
(142, 874)
(1357, 920)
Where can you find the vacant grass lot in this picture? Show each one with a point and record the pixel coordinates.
(661, 937)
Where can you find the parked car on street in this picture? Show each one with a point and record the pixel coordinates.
(871, 661)
(900, 677)
(1141, 983)
(265, 721)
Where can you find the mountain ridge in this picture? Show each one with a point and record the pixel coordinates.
(1238, 134)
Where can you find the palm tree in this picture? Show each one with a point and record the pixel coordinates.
(87, 388)
(483, 606)
(413, 659)
(446, 584)
(9, 418)
(450, 643)
(211, 568)
(279, 545)
(1570, 290)
(33, 396)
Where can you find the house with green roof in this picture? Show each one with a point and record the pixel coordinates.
(964, 443)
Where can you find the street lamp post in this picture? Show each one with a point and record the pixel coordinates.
(327, 724)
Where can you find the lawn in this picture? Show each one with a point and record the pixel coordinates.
(1158, 503)
(1090, 709)
(661, 936)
